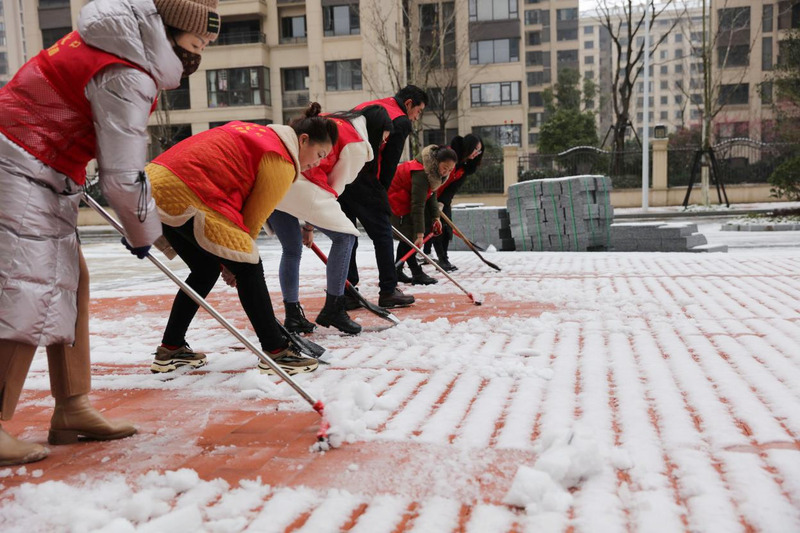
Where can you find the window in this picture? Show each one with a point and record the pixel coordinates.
(442, 100)
(480, 10)
(664, 85)
(678, 68)
(494, 51)
(766, 53)
(238, 87)
(294, 79)
(588, 30)
(735, 94)
(734, 18)
(178, 98)
(3, 63)
(588, 45)
(567, 56)
(589, 74)
(567, 14)
(678, 37)
(678, 115)
(588, 60)
(535, 120)
(664, 69)
(730, 130)
(434, 136)
(679, 99)
(567, 35)
(535, 100)
(49, 37)
(664, 115)
(437, 36)
(343, 75)
(340, 20)
(293, 29)
(766, 18)
(765, 89)
(678, 53)
(533, 58)
(733, 56)
(532, 16)
(503, 135)
(664, 100)
(663, 54)
(534, 38)
(2, 29)
(494, 94)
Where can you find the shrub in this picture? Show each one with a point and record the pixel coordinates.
(785, 180)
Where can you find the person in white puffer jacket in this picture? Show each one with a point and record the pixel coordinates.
(86, 97)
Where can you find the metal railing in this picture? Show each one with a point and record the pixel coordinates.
(245, 37)
(295, 99)
(487, 179)
(739, 160)
(624, 168)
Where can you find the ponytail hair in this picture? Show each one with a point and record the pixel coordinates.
(319, 129)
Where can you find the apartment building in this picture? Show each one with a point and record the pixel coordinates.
(746, 51)
(551, 43)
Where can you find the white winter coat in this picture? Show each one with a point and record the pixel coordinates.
(313, 204)
(39, 206)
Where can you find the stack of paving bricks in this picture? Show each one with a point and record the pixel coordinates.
(561, 214)
(660, 237)
(483, 225)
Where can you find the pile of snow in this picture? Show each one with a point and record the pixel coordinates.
(565, 459)
(351, 416)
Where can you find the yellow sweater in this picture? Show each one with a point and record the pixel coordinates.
(213, 231)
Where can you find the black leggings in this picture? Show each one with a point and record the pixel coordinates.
(205, 270)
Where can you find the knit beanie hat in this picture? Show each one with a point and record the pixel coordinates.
(193, 16)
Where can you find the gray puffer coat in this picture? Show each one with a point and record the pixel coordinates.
(39, 206)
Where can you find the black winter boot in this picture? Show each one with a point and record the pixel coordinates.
(418, 277)
(333, 314)
(402, 277)
(296, 320)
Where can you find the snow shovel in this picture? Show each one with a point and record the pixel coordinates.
(469, 243)
(375, 309)
(434, 264)
(317, 405)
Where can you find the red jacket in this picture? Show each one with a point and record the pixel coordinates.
(393, 108)
(319, 174)
(400, 190)
(45, 110)
(220, 165)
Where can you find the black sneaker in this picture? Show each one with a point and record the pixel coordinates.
(290, 362)
(395, 298)
(168, 360)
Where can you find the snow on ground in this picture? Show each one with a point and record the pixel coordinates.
(659, 392)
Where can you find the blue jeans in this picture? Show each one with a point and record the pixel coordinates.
(287, 229)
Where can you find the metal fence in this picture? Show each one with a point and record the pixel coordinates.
(624, 168)
(487, 179)
(739, 160)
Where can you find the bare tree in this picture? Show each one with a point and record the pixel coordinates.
(433, 59)
(624, 23)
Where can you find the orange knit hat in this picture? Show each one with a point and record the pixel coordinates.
(193, 16)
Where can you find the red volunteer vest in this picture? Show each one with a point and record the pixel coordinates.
(319, 174)
(456, 175)
(395, 110)
(220, 165)
(400, 189)
(45, 110)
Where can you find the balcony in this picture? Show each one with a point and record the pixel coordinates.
(295, 99)
(227, 39)
(293, 40)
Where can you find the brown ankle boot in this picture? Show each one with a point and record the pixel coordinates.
(74, 417)
(17, 452)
